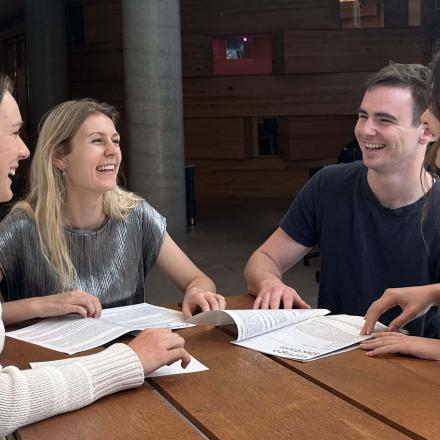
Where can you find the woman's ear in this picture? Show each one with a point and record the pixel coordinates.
(59, 164)
(59, 158)
(426, 136)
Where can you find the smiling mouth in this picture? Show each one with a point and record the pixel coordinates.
(106, 168)
(373, 146)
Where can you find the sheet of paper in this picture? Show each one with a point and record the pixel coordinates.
(311, 339)
(256, 322)
(142, 316)
(69, 334)
(72, 334)
(193, 367)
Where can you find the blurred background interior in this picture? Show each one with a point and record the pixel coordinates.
(227, 107)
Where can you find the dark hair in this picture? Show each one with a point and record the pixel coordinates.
(413, 76)
(5, 85)
(434, 90)
(434, 107)
(429, 163)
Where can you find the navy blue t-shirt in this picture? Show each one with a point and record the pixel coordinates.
(366, 248)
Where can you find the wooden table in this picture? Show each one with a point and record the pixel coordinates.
(248, 395)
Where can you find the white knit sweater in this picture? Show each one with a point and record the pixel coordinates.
(31, 395)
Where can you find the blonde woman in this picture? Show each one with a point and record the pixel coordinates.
(78, 231)
(29, 396)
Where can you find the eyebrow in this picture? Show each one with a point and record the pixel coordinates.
(103, 134)
(379, 115)
(386, 115)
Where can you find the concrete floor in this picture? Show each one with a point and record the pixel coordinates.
(226, 233)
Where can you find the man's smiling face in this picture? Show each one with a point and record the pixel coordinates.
(385, 131)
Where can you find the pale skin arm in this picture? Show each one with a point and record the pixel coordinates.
(75, 301)
(414, 302)
(158, 347)
(199, 290)
(263, 272)
(391, 342)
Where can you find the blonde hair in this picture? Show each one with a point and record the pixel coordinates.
(46, 196)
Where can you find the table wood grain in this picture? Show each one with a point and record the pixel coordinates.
(249, 395)
(133, 414)
(246, 395)
(402, 391)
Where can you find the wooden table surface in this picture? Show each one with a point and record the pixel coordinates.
(248, 395)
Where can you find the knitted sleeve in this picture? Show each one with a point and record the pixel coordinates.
(31, 395)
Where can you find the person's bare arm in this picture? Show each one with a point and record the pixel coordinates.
(391, 342)
(263, 272)
(199, 290)
(75, 301)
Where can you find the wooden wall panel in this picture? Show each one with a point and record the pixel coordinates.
(308, 138)
(351, 50)
(222, 17)
(222, 138)
(250, 178)
(395, 13)
(263, 96)
(102, 21)
(109, 91)
(196, 55)
(370, 14)
(96, 62)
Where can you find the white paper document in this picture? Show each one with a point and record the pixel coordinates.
(193, 367)
(72, 334)
(299, 334)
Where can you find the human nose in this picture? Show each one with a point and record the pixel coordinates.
(24, 152)
(367, 127)
(110, 148)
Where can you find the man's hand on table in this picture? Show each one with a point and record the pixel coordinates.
(273, 294)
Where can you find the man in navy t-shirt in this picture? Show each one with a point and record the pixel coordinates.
(369, 218)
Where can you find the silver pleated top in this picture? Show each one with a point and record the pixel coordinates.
(111, 261)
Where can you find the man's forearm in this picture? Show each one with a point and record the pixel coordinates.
(259, 268)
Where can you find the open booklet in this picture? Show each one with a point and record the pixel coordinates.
(71, 334)
(299, 334)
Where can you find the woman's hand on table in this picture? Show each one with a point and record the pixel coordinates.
(204, 299)
(75, 301)
(414, 302)
(392, 342)
(158, 347)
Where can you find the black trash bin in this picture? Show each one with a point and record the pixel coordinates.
(190, 195)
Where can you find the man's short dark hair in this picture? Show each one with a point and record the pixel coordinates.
(5, 85)
(413, 76)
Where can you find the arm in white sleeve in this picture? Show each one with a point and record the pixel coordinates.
(31, 395)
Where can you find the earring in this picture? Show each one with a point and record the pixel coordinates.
(62, 172)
